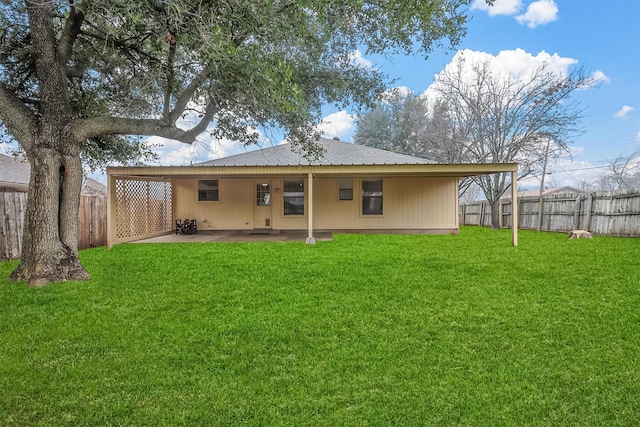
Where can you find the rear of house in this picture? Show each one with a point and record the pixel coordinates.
(348, 188)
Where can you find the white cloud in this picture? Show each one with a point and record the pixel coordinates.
(394, 91)
(171, 153)
(337, 124)
(539, 13)
(600, 76)
(623, 112)
(356, 58)
(500, 7)
(5, 148)
(205, 147)
(520, 63)
(638, 136)
(508, 64)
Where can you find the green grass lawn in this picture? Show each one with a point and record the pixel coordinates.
(363, 330)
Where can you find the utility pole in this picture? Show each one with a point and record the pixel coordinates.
(544, 173)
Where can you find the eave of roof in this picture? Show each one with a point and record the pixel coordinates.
(454, 170)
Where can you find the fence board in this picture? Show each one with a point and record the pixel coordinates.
(92, 216)
(606, 213)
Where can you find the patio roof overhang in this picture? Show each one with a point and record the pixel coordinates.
(459, 170)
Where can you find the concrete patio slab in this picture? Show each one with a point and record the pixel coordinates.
(237, 236)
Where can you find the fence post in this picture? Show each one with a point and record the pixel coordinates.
(540, 211)
(589, 209)
(576, 213)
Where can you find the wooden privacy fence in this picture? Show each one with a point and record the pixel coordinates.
(92, 216)
(608, 213)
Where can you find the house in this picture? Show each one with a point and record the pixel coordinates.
(15, 174)
(351, 188)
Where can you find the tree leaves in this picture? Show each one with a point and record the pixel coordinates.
(268, 63)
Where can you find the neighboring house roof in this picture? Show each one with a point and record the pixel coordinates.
(336, 153)
(92, 187)
(15, 174)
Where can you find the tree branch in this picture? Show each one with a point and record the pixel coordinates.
(83, 129)
(70, 33)
(187, 94)
(170, 76)
(51, 73)
(19, 120)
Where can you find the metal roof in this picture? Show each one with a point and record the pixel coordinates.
(336, 153)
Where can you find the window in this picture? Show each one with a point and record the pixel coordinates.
(293, 197)
(263, 196)
(208, 191)
(371, 197)
(346, 189)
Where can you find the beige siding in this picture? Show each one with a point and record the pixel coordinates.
(234, 210)
(287, 222)
(408, 203)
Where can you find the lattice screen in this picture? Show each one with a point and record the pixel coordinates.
(143, 207)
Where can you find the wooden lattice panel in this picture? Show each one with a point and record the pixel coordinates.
(159, 207)
(143, 208)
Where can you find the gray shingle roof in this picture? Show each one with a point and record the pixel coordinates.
(336, 153)
(15, 174)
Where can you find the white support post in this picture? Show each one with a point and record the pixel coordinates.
(514, 208)
(111, 211)
(310, 239)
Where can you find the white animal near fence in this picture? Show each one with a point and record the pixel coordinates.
(580, 234)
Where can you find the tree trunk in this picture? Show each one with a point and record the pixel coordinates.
(50, 235)
(495, 214)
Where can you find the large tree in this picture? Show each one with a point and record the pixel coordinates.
(623, 172)
(523, 118)
(76, 75)
(408, 123)
(475, 113)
